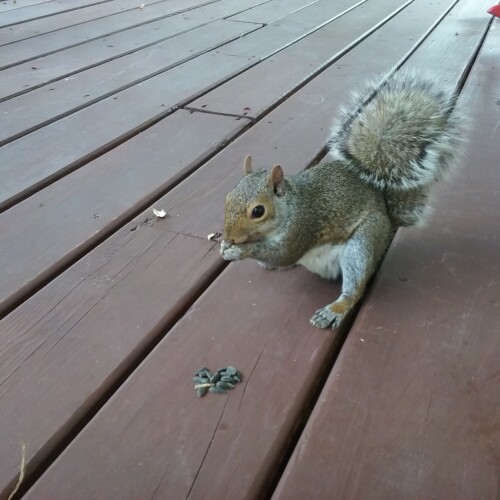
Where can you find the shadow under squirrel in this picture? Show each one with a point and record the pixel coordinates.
(338, 217)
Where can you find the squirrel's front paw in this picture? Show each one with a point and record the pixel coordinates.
(324, 317)
(230, 252)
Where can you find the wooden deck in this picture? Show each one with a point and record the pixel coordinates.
(110, 108)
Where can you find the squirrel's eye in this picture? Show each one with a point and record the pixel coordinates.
(258, 212)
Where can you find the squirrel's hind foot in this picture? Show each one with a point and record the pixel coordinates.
(324, 318)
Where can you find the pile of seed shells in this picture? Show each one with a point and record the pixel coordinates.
(220, 382)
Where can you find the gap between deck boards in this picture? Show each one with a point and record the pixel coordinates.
(112, 144)
(103, 35)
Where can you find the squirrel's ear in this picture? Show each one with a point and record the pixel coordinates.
(276, 179)
(247, 165)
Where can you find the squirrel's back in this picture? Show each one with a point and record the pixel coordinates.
(400, 138)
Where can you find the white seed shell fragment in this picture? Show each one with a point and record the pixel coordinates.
(159, 213)
(211, 236)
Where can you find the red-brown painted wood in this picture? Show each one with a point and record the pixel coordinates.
(237, 460)
(180, 446)
(47, 43)
(35, 408)
(63, 352)
(74, 213)
(270, 12)
(23, 10)
(285, 70)
(47, 24)
(72, 60)
(32, 110)
(232, 446)
(144, 103)
(464, 27)
(312, 116)
(412, 406)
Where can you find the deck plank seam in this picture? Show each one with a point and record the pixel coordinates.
(352, 316)
(172, 14)
(285, 46)
(131, 51)
(75, 24)
(182, 104)
(330, 62)
(48, 15)
(159, 333)
(118, 89)
(145, 125)
(218, 113)
(312, 2)
(71, 258)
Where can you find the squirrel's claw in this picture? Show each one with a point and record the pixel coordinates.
(324, 317)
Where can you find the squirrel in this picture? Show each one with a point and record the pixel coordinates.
(338, 217)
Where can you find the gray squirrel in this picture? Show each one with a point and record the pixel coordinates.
(338, 217)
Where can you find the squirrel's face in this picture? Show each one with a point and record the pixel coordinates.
(250, 213)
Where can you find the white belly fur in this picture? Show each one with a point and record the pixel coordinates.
(323, 260)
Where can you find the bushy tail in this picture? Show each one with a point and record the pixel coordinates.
(401, 139)
(405, 136)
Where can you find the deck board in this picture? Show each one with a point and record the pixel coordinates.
(24, 10)
(435, 368)
(107, 311)
(69, 62)
(288, 69)
(71, 215)
(270, 12)
(47, 24)
(145, 103)
(26, 50)
(30, 111)
(229, 446)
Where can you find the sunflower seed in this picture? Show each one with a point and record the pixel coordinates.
(200, 372)
(231, 370)
(215, 378)
(208, 373)
(201, 391)
(227, 378)
(225, 385)
(200, 380)
(217, 390)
